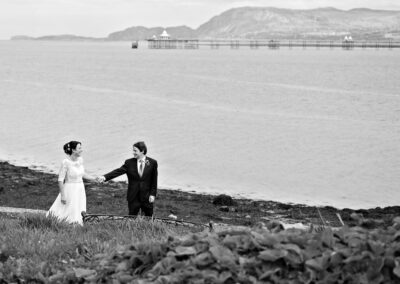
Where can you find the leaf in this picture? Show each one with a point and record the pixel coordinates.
(223, 255)
(241, 243)
(81, 272)
(202, 247)
(344, 252)
(356, 217)
(292, 247)
(188, 240)
(300, 240)
(231, 242)
(396, 235)
(336, 259)
(266, 275)
(125, 278)
(163, 266)
(295, 256)
(266, 239)
(224, 276)
(56, 277)
(313, 248)
(327, 237)
(353, 258)
(203, 259)
(396, 270)
(165, 279)
(318, 264)
(374, 270)
(211, 275)
(354, 242)
(396, 220)
(122, 266)
(331, 277)
(377, 247)
(180, 251)
(272, 254)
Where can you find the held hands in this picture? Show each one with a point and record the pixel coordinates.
(63, 200)
(100, 179)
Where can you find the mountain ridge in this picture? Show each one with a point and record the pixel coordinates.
(270, 22)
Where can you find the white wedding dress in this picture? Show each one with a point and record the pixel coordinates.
(71, 174)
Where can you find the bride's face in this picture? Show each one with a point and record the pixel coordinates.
(78, 151)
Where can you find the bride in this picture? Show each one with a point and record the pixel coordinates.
(71, 200)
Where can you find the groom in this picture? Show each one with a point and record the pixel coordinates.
(142, 180)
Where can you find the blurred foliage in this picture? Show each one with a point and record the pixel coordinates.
(264, 253)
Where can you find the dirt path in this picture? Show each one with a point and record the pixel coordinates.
(20, 210)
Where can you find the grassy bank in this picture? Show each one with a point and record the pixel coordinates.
(36, 247)
(42, 250)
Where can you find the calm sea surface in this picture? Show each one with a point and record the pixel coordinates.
(320, 127)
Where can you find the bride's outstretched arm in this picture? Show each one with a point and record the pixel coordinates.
(89, 177)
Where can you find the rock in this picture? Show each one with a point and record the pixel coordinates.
(224, 209)
(227, 209)
(371, 224)
(224, 200)
(299, 226)
(172, 216)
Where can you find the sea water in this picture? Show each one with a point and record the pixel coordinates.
(313, 126)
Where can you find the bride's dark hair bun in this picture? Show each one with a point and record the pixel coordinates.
(70, 146)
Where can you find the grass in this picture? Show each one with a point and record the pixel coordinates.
(36, 247)
(41, 249)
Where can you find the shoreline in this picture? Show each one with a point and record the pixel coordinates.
(24, 187)
(49, 170)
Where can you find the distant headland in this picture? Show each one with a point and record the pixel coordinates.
(268, 22)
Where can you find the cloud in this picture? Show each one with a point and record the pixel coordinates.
(293, 4)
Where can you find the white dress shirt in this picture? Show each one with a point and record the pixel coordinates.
(138, 164)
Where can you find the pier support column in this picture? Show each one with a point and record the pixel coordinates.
(234, 44)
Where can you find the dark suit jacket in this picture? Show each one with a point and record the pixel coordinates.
(145, 185)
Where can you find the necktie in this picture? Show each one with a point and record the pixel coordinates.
(141, 167)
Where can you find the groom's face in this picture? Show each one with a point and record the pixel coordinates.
(136, 153)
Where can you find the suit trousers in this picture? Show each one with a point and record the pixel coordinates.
(135, 205)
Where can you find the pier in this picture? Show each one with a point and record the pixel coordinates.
(270, 44)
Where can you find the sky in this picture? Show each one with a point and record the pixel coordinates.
(99, 18)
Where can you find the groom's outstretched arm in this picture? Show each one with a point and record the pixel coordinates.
(116, 173)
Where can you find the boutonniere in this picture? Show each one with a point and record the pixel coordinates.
(147, 162)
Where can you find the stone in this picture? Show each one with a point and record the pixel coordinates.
(224, 200)
(172, 216)
(224, 209)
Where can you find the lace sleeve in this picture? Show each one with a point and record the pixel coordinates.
(63, 171)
